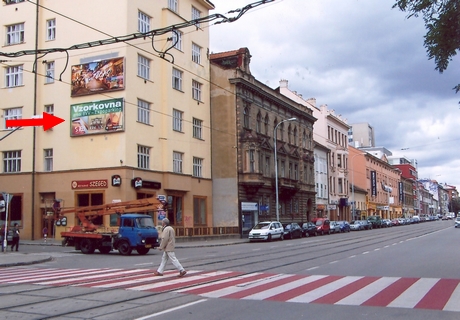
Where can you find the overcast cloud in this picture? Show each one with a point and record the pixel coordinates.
(363, 59)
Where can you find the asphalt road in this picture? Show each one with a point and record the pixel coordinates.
(405, 272)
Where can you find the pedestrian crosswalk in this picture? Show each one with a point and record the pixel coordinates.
(416, 293)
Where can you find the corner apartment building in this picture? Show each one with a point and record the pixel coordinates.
(137, 112)
(330, 130)
(249, 119)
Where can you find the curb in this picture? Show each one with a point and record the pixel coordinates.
(25, 263)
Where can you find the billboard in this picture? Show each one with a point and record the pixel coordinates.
(98, 76)
(94, 117)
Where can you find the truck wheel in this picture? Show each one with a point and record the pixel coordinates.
(105, 250)
(143, 250)
(87, 246)
(124, 248)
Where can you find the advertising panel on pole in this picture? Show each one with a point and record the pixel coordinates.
(374, 183)
(95, 117)
(97, 77)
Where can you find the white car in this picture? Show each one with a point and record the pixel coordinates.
(267, 230)
(457, 222)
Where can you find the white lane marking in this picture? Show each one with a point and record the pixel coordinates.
(170, 310)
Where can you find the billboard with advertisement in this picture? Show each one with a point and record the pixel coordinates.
(98, 76)
(94, 117)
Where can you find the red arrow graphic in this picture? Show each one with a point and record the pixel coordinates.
(48, 121)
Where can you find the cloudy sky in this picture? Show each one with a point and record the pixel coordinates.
(363, 59)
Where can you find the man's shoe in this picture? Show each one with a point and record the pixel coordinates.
(157, 273)
(182, 273)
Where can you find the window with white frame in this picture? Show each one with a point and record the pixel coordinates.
(196, 90)
(196, 14)
(177, 120)
(48, 157)
(143, 22)
(177, 161)
(49, 108)
(177, 39)
(15, 34)
(252, 160)
(13, 76)
(177, 79)
(197, 128)
(12, 161)
(51, 29)
(143, 157)
(196, 53)
(197, 167)
(143, 111)
(143, 67)
(49, 72)
(12, 114)
(173, 5)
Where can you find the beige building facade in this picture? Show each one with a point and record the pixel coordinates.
(137, 119)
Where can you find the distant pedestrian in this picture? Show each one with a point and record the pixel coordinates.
(15, 237)
(45, 233)
(167, 244)
(2, 235)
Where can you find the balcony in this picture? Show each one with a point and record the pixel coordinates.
(251, 182)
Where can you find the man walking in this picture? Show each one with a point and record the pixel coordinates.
(15, 237)
(168, 243)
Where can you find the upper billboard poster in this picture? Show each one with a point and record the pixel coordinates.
(98, 76)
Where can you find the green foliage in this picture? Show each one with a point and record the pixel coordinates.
(442, 20)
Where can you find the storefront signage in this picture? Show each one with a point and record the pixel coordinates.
(139, 183)
(104, 116)
(89, 184)
(116, 180)
(374, 183)
(249, 206)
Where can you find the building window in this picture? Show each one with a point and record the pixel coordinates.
(246, 118)
(12, 161)
(143, 67)
(177, 39)
(196, 90)
(296, 171)
(252, 161)
(143, 111)
(12, 114)
(339, 160)
(290, 170)
(196, 53)
(267, 167)
(48, 156)
(177, 79)
(340, 181)
(49, 72)
(15, 34)
(196, 14)
(177, 120)
(199, 210)
(283, 169)
(259, 123)
(197, 128)
(13, 76)
(49, 108)
(173, 5)
(143, 22)
(197, 167)
(266, 124)
(51, 29)
(177, 162)
(143, 157)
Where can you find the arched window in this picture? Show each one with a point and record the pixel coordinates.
(304, 140)
(246, 117)
(295, 136)
(266, 124)
(259, 123)
(289, 134)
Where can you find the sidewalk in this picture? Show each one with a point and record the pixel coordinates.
(11, 259)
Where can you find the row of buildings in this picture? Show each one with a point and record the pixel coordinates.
(160, 115)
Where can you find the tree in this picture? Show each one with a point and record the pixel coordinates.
(442, 20)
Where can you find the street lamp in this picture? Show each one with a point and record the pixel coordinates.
(353, 185)
(276, 167)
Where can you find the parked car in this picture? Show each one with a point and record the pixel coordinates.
(335, 227)
(366, 224)
(344, 226)
(356, 225)
(309, 229)
(376, 221)
(395, 222)
(457, 222)
(322, 225)
(292, 230)
(267, 230)
(387, 223)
